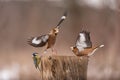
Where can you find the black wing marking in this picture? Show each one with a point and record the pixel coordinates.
(62, 19)
(38, 41)
(88, 40)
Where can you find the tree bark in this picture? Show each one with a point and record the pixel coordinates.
(63, 68)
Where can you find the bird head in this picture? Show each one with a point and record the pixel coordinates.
(54, 31)
(35, 54)
(74, 49)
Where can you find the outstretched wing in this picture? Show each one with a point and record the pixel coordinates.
(83, 40)
(38, 41)
(62, 19)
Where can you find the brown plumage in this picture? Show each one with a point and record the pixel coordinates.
(48, 39)
(83, 46)
(52, 38)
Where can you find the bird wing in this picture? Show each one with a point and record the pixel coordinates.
(35, 62)
(39, 63)
(88, 40)
(38, 41)
(83, 41)
(80, 42)
(62, 19)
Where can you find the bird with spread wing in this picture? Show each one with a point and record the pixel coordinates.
(83, 46)
(47, 39)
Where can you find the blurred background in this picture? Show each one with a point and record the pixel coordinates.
(22, 19)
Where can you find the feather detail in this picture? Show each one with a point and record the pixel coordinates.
(38, 41)
(62, 19)
(83, 40)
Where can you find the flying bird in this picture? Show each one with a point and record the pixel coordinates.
(83, 46)
(37, 61)
(47, 39)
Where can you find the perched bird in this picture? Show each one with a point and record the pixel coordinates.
(36, 60)
(47, 39)
(83, 46)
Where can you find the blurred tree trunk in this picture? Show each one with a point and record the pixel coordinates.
(64, 68)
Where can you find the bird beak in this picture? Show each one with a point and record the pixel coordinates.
(71, 48)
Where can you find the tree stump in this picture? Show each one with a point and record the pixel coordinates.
(63, 68)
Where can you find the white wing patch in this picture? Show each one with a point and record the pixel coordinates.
(82, 37)
(80, 48)
(63, 17)
(101, 46)
(45, 38)
(81, 44)
(81, 41)
(35, 41)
